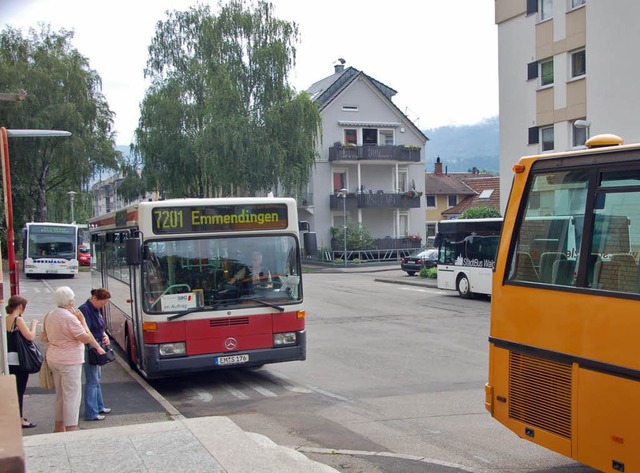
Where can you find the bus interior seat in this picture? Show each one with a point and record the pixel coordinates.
(619, 273)
(547, 261)
(627, 272)
(524, 268)
(592, 264)
(563, 272)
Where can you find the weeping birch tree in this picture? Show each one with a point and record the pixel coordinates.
(220, 117)
(63, 93)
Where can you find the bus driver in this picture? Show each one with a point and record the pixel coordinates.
(256, 273)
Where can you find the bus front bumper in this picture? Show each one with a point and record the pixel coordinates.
(156, 366)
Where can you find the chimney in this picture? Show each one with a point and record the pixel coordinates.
(340, 66)
(438, 167)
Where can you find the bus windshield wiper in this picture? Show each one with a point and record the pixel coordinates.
(225, 302)
(190, 311)
(267, 304)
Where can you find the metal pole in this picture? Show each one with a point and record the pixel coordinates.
(8, 212)
(344, 214)
(71, 195)
(4, 362)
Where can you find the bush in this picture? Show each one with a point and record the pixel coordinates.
(430, 273)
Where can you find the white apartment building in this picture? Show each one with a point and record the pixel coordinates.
(374, 153)
(567, 71)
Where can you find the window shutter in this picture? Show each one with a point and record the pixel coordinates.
(532, 70)
(534, 135)
(532, 7)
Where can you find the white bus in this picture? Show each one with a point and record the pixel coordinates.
(466, 254)
(50, 249)
(202, 284)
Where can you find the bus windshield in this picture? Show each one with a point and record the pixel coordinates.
(186, 274)
(52, 244)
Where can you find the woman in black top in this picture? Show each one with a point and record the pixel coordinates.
(14, 323)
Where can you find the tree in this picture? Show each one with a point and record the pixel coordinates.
(63, 93)
(219, 117)
(481, 212)
(358, 237)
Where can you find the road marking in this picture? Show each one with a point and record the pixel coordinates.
(431, 461)
(201, 395)
(253, 385)
(413, 289)
(233, 391)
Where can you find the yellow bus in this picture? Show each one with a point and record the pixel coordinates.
(564, 349)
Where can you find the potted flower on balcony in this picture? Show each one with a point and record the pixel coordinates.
(413, 194)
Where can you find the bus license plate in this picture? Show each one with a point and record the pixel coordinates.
(231, 360)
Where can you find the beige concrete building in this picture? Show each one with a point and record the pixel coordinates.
(567, 71)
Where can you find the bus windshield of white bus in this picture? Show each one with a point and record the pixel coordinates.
(51, 242)
(188, 274)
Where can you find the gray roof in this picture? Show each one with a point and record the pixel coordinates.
(327, 89)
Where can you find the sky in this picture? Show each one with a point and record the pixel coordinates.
(440, 56)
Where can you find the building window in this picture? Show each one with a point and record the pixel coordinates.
(547, 138)
(579, 132)
(350, 136)
(403, 224)
(578, 63)
(339, 180)
(453, 201)
(349, 108)
(546, 72)
(485, 194)
(386, 137)
(532, 70)
(545, 8)
(369, 136)
(402, 185)
(577, 3)
(534, 135)
(431, 201)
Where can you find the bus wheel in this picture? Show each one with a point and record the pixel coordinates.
(464, 288)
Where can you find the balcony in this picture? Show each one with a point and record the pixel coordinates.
(380, 200)
(409, 154)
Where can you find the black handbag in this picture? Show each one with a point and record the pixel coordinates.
(28, 354)
(96, 359)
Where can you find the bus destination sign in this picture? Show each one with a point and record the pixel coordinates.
(51, 229)
(219, 218)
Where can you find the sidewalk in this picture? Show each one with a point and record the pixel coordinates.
(144, 433)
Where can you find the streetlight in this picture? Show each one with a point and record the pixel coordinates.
(343, 193)
(71, 195)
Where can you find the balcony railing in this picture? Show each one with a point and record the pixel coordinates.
(375, 200)
(374, 153)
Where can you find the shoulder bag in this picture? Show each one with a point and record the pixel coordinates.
(46, 376)
(97, 359)
(28, 354)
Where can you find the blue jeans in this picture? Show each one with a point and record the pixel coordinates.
(93, 402)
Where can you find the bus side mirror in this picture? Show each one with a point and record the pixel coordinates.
(132, 251)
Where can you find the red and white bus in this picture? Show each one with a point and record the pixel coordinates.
(183, 299)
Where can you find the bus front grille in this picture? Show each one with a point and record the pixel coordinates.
(540, 393)
(228, 321)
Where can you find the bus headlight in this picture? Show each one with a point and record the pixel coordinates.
(173, 349)
(287, 338)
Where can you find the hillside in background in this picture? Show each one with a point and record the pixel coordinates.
(462, 147)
